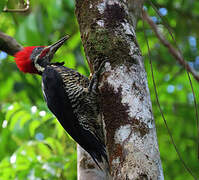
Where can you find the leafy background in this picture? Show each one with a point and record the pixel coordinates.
(34, 146)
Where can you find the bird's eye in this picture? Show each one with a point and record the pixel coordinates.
(44, 52)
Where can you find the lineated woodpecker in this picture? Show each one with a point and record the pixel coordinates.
(70, 96)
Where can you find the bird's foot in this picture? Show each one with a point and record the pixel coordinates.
(93, 86)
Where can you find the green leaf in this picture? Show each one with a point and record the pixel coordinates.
(33, 126)
(2, 5)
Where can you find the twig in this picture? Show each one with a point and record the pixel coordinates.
(162, 113)
(27, 7)
(175, 53)
(9, 44)
(186, 65)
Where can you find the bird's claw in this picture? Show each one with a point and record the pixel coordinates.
(95, 78)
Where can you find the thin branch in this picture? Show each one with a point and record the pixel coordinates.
(162, 113)
(8, 44)
(27, 7)
(186, 65)
(175, 53)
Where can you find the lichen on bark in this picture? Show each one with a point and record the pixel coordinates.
(102, 33)
(108, 32)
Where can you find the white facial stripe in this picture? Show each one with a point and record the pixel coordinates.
(37, 66)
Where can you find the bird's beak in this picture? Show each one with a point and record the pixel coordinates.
(54, 47)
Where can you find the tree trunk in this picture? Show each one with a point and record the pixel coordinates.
(87, 169)
(108, 32)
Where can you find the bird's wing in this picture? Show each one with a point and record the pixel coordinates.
(65, 92)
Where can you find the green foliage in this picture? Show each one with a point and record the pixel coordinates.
(173, 85)
(35, 146)
(2, 5)
(33, 143)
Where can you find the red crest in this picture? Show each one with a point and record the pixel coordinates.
(23, 61)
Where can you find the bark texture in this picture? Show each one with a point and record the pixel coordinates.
(9, 44)
(87, 169)
(108, 32)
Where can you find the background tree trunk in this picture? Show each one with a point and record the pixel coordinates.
(108, 32)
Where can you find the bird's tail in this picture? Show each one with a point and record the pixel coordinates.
(100, 157)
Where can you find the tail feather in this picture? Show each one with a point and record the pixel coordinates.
(99, 155)
(96, 160)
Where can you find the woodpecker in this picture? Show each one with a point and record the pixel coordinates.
(70, 96)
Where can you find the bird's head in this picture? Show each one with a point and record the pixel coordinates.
(34, 59)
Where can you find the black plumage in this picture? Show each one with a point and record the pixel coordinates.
(70, 98)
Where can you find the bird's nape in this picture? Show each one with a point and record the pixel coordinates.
(33, 59)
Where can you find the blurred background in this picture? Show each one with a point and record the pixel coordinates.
(34, 146)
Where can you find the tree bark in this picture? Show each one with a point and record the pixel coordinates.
(8, 44)
(86, 167)
(108, 32)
